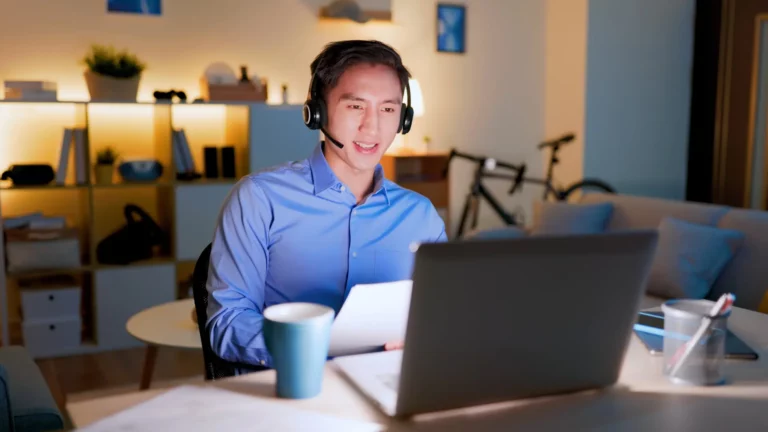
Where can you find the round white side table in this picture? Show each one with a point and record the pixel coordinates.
(168, 324)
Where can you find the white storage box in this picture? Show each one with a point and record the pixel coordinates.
(52, 337)
(45, 304)
(28, 249)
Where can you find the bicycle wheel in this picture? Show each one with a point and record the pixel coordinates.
(577, 190)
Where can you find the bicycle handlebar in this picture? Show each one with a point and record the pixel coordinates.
(557, 141)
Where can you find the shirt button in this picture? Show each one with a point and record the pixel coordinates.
(262, 362)
(354, 254)
(354, 212)
(342, 188)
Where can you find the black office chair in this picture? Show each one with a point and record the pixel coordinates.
(215, 366)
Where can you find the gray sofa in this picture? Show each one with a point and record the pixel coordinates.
(26, 403)
(745, 275)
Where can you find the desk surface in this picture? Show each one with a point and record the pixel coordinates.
(168, 324)
(642, 400)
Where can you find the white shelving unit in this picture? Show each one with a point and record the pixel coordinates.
(263, 135)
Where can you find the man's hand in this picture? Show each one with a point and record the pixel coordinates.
(391, 346)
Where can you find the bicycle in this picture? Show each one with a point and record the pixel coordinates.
(486, 166)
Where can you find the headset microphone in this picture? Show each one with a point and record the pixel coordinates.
(332, 139)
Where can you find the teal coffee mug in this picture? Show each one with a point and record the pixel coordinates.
(297, 336)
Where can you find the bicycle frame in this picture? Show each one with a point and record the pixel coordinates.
(551, 170)
(478, 190)
(548, 188)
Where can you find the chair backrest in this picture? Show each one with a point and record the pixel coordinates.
(215, 366)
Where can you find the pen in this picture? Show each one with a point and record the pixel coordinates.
(681, 355)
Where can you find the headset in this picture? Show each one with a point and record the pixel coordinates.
(316, 115)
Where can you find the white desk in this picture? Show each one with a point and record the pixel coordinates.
(169, 324)
(643, 400)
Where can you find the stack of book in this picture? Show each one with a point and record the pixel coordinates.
(77, 138)
(182, 155)
(43, 91)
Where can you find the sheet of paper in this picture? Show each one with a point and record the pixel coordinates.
(372, 315)
(192, 408)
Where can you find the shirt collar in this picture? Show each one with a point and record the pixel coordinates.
(379, 185)
(322, 175)
(324, 178)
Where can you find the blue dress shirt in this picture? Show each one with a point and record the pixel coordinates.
(294, 233)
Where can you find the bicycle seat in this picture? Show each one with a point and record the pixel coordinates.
(565, 139)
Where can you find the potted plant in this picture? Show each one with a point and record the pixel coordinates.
(427, 141)
(112, 75)
(105, 165)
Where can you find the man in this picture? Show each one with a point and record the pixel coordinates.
(309, 231)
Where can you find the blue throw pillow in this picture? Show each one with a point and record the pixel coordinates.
(690, 257)
(498, 233)
(567, 218)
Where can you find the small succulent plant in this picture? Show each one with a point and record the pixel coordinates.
(106, 156)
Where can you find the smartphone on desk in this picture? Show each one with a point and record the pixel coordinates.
(649, 327)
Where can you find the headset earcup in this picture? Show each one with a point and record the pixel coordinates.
(313, 114)
(308, 113)
(407, 119)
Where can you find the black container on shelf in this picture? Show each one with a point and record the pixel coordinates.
(29, 174)
(228, 162)
(211, 157)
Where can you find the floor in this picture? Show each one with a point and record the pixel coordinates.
(102, 371)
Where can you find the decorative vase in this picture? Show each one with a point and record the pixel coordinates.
(107, 88)
(104, 173)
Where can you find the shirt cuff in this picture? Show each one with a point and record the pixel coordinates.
(260, 357)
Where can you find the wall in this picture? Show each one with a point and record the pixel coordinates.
(489, 100)
(760, 141)
(639, 63)
(565, 83)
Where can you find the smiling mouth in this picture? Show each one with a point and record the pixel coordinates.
(365, 147)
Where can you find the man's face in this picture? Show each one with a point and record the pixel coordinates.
(364, 114)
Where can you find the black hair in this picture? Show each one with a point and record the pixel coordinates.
(337, 57)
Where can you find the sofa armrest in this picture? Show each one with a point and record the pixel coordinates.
(31, 404)
(6, 416)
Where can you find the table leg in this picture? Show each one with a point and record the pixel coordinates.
(149, 366)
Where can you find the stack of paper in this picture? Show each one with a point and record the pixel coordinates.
(42, 91)
(372, 315)
(35, 220)
(191, 408)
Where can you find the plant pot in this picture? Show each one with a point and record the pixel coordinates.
(107, 88)
(104, 173)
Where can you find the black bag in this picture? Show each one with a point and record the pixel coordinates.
(134, 241)
(29, 174)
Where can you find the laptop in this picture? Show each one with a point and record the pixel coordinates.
(498, 320)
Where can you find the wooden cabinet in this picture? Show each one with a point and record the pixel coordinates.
(422, 173)
(122, 292)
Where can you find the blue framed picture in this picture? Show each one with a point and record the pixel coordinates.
(141, 7)
(451, 28)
